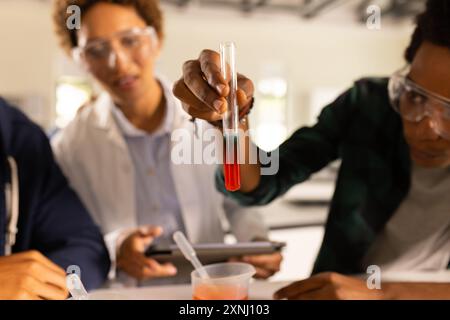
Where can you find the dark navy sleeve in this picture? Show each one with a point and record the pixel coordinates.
(63, 230)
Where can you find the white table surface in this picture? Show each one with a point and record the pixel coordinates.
(259, 290)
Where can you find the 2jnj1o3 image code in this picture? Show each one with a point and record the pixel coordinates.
(226, 309)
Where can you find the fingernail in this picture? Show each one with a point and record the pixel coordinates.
(172, 270)
(218, 104)
(144, 230)
(220, 88)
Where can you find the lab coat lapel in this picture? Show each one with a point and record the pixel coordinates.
(122, 165)
(106, 122)
(184, 176)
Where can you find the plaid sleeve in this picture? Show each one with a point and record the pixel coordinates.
(307, 151)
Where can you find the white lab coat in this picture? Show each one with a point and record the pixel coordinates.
(94, 157)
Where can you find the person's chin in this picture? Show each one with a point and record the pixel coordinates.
(431, 162)
(128, 89)
(129, 94)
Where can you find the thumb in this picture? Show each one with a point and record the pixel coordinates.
(145, 235)
(242, 99)
(150, 231)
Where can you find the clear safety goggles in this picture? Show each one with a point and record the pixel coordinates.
(132, 44)
(414, 103)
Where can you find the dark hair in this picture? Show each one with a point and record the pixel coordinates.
(149, 10)
(433, 26)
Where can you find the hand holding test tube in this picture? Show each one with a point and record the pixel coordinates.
(205, 91)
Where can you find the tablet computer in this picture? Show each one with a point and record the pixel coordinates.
(212, 252)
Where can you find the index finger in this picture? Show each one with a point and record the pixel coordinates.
(210, 66)
(38, 257)
(150, 230)
(300, 287)
(195, 80)
(155, 269)
(260, 258)
(46, 289)
(246, 85)
(44, 274)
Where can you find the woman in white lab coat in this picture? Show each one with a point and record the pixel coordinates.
(116, 153)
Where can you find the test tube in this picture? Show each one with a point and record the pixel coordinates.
(230, 118)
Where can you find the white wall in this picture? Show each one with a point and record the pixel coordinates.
(27, 53)
(325, 53)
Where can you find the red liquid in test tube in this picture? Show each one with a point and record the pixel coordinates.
(230, 119)
(231, 164)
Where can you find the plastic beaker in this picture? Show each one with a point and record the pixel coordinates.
(227, 281)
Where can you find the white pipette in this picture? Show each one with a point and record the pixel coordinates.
(189, 253)
(76, 287)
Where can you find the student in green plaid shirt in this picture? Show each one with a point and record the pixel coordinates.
(391, 206)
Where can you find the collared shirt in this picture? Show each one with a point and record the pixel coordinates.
(156, 199)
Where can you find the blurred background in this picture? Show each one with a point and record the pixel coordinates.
(300, 54)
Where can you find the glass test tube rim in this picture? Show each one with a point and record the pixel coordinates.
(230, 120)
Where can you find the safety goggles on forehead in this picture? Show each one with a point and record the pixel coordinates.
(103, 52)
(414, 103)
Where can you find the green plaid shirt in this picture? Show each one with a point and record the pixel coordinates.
(362, 130)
